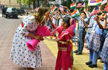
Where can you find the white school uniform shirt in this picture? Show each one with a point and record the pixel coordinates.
(54, 20)
(60, 20)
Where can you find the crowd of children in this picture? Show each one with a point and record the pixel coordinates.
(62, 25)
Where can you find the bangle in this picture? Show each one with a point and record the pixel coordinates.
(62, 42)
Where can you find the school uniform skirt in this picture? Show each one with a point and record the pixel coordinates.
(94, 42)
(104, 53)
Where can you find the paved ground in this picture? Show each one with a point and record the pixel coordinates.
(79, 60)
(7, 30)
(49, 50)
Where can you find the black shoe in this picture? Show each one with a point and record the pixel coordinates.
(101, 61)
(87, 47)
(88, 63)
(76, 51)
(92, 65)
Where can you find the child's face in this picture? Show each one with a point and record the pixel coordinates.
(63, 24)
(101, 17)
(83, 15)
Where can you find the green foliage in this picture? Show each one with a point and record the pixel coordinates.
(103, 6)
(67, 3)
(26, 2)
(64, 3)
(19, 1)
(48, 4)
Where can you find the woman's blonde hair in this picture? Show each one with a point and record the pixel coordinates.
(41, 13)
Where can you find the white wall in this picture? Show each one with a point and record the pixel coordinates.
(55, 2)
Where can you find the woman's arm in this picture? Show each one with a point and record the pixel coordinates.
(35, 37)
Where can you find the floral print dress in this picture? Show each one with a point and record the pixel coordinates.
(20, 53)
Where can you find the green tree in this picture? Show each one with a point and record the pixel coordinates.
(28, 2)
(68, 3)
(34, 4)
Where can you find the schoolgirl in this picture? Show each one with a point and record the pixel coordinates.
(95, 40)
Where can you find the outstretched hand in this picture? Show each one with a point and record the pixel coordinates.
(47, 14)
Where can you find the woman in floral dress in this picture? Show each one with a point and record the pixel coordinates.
(20, 53)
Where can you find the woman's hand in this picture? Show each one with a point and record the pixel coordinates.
(37, 37)
(41, 38)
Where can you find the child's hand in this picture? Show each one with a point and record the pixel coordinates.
(85, 10)
(96, 18)
(47, 14)
(52, 34)
(82, 19)
(58, 12)
(61, 42)
(57, 34)
(58, 8)
(105, 17)
(57, 39)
